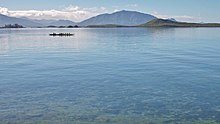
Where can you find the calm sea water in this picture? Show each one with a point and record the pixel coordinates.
(125, 75)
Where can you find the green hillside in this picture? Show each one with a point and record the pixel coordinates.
(169, 23)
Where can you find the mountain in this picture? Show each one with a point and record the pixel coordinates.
(117, 19)
(61, 23)
(44, 22)
(51, 22)
(26, 22)
(127, 18)
(5, 20)
(107, 26)
(172, 19)
(170, 23)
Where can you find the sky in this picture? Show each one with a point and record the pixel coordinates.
(78, 10)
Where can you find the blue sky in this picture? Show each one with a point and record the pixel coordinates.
(77, 10)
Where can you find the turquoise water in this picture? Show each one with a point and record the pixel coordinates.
(125, 75)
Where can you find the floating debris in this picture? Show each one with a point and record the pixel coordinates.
(61, 34)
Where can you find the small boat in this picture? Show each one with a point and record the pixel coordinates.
(61, 34)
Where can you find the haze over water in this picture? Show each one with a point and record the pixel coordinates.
(116, 75)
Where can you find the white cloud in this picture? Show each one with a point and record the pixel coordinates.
(3, 11)
(74, 13)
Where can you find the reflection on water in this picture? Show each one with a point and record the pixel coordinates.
(4, 46)
(38, 39)
(125, 75)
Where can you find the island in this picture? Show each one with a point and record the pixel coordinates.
(12, 26)
(170, 23)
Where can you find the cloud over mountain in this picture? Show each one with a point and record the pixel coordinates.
(71, 13)
(78, 14)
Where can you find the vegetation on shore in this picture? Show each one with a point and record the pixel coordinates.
(12, 26)
(70, 26)
(51, 26)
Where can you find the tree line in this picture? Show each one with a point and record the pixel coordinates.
(12, 26)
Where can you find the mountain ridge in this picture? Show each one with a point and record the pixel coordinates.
(127, 18)
(62, 22)
(124, 17)
(117, 19)
(5, 20)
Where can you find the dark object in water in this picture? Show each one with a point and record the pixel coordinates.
(61, 34)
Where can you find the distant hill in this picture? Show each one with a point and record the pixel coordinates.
(106, 26)
(172, 19)
(26, 22)
(6, 20)
(126, 18)
(44, 22)
(117, 19)
(170, 23)
(62, 23)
